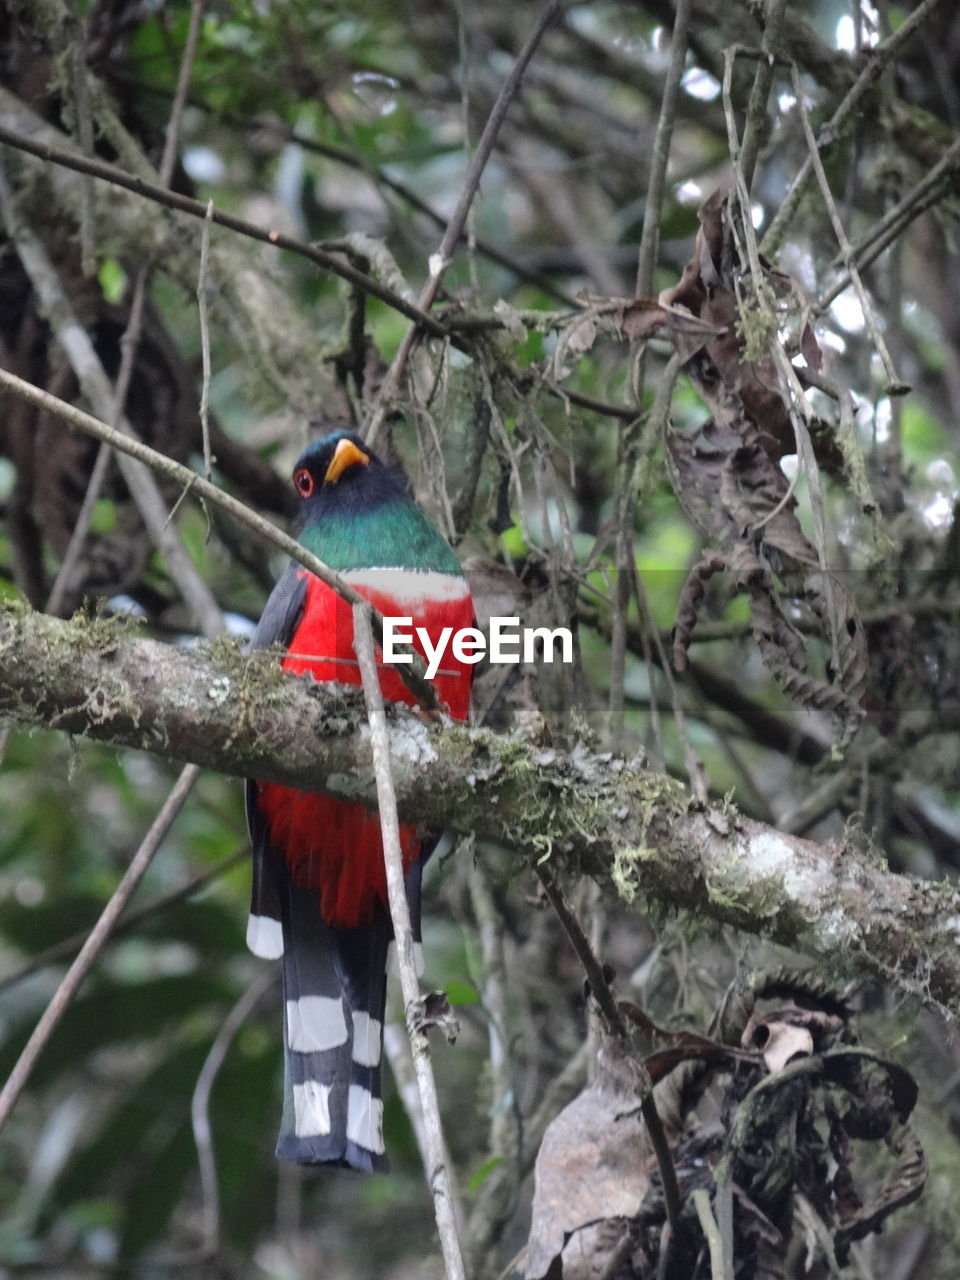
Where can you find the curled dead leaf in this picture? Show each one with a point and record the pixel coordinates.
(592, 1173)
(785, 1042)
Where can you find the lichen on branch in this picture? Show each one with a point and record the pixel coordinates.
(636, 831)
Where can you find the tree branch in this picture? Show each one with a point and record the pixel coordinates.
(412, 675)
(198, 209)
(436, 1166)
(633, 829)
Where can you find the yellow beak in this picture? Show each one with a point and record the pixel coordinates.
(345, 455)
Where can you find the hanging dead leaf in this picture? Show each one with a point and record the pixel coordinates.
(739, 499)
(810, 349)
(644, 316)
(575, 340)
(785, 1042)
(592, 1173)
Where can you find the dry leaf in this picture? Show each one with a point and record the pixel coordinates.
(592, 1172)
(575, 340)
(785, 1042)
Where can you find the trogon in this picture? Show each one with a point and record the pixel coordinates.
(319, 887)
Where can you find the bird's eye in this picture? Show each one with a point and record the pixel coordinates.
(304, 482)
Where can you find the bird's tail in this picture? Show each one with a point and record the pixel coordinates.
(334, 991)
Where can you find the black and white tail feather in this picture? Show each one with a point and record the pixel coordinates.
(334, 994)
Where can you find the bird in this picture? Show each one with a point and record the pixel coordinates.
(319, 895)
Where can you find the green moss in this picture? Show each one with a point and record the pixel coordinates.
(625, 871)
(99, 632)
(757, 323)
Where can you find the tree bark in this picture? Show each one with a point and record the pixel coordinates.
(636, 831)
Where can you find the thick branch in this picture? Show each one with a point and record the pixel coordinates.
(609, 818)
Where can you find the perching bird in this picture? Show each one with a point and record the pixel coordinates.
(319, 885)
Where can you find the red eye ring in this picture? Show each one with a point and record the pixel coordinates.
(304, 481)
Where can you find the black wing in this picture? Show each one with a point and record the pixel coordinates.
(283, 610)
(278, 622)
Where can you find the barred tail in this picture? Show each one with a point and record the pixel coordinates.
(334, 993)
(334, 989)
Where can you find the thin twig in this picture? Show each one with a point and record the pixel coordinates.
(78, 535)
(491, 129)
(463, 51)
(796, 402)
(130, 339)
(440, 260)
(760, 91)
(129, 342)
(68, 947)
(198, 209)
(694, 765)
(623, 547)
(831, 131)
(636, 448)
(73, 49)
(936, 183)
(928, 191)
(723, 1207)
(438, 1172)
(205, 343)
(600, 989)
(895, 384)
(656, 184)
(200, 1107)
(171, 141)
(379, 176)
(85, 362)
(718, 1269)
(94, 944)
(412, 674)
(396, 1047)
(505, 1131)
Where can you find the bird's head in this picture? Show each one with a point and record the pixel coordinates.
(338, 473)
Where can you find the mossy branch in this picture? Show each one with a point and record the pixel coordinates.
(635, 830)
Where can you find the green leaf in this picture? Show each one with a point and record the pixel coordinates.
(478, 1178)
(461, 993)
(113, 280)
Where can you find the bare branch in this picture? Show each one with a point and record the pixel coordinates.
(67, 948)
(440, 260)
(656, 185)
(94, 944)
(198, 209)
(760, 91)
(200, 1106)
(842, 116)
(437, 1170)
(81, 353)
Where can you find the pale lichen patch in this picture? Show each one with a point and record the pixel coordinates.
(410, 742)
(769, 855)
(219, 690)
(836, 929)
